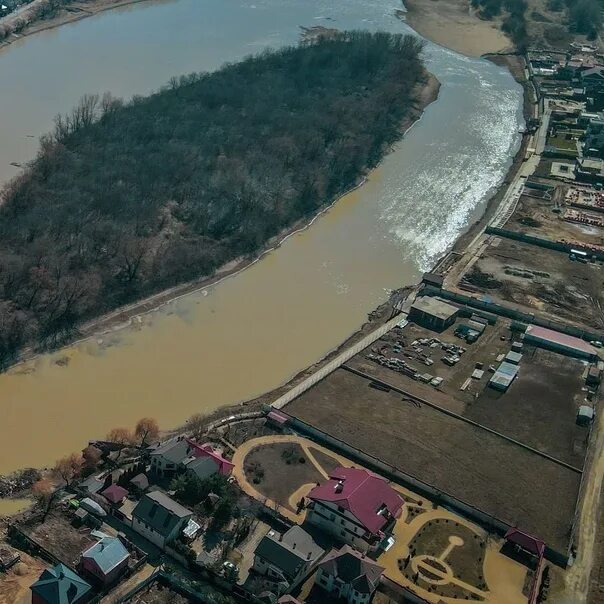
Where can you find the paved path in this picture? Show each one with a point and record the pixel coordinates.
(340, 359)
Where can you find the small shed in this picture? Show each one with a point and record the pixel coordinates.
(115, 494)
(585, 415)
(594, 376)
(433, 313)
(504, 376)
(513, 357)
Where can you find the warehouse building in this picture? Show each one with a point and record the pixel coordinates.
(559, 342)
(433, 313)
(504, 376)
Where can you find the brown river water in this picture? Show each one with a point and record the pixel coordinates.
(251, 332)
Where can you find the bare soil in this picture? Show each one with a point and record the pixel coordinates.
(282, 475)
(454, 24)
(564, 289)
(60, 537)
(473, 465)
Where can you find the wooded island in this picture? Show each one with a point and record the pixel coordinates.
(127, 198)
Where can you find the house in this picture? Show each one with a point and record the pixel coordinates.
(106, 560)
(356, 506)
(205, 461)
(159, 518)
(115, 494)
(589, 169)
(348, 574)
(167, 456)
(140, 483)
(183, 453)
(286, 557)
(92, 485)
(60, 585)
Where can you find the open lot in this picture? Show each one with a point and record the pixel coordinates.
(539, 409)
(539, 280)
(278, 470)
(57, 535)
(536, 217)
(476, 466)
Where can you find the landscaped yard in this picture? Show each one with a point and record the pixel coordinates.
(278, 470)
(441, 549)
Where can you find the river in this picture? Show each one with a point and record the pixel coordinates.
(251, 332)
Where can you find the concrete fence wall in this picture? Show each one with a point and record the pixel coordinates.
(511, 313)
(540, 242)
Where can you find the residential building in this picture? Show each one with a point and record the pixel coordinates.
(205, 461)
(167, 456)
(115, 494)
(356, 506)
(181, 453)
(348, 574)
(105, 561)
(159, 518)
(60, 585)
(286, 557)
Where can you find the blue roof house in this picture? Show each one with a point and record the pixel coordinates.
(60, 585)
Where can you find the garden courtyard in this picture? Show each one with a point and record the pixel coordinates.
(437, 554)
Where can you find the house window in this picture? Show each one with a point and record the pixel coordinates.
(342, 533)
(340, 508)
(332, 517)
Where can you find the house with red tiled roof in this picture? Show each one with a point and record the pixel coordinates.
(356, 506)
(348, 574)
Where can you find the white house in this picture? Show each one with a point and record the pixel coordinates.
(159, 518)
(286, 557)
(349, 574)
(355, 506)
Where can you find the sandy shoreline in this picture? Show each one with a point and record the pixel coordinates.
(75, 12)
(454, 24)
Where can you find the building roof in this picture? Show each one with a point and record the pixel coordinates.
(60, 585)
(288, 551)
(92, 485)
(368, 497)
(160, 512)
(224, 466)
(525, 541)
(107, 553)
(174, 450)
(561, 339)
(115, 493)
(435, 307)
(140, 481)
(353, 568)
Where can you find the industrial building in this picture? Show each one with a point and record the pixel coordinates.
(504, 376)
(433, 313)
(559, 342)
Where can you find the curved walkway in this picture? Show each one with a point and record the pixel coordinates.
(503, 576)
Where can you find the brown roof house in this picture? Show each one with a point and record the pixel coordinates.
(348, 574)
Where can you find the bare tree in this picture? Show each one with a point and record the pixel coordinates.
(196, 425)
(68, 468)
(146, 431)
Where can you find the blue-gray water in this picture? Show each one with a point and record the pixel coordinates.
(251, 332)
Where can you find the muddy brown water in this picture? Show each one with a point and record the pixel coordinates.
(249, 333)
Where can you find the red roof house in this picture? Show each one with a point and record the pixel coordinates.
(115, 494)
(355, 505)
(206, 451)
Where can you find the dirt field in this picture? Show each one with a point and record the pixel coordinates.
(473, 465)
(14, 585)
(60, 538)
(539, 409)
(535, 217)
(539, 280)
(271, 461)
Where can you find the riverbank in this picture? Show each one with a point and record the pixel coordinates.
(455, 25)
(74, 12)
